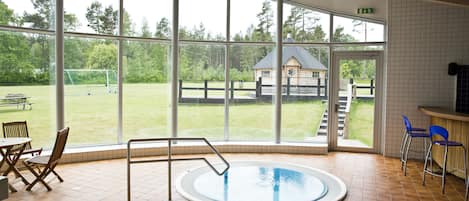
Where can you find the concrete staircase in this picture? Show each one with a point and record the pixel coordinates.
(322, 131)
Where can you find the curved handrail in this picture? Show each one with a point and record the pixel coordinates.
(169, 159)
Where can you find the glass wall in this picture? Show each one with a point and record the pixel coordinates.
(251, 91)
(201, 91)
(91, 16)
(27, 84)
(255, 22)
(148, 18)
(305, 91)
(91, 68)
(90, 77)
(355, 30)
(145, 90)
(27, 74)
(202, 20)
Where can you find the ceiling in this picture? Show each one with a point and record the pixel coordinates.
(349, 7)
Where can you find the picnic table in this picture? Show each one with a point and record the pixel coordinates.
(18, 100)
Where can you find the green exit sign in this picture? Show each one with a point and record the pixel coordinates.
(365, 10)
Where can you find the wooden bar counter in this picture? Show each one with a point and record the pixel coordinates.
(457, 125)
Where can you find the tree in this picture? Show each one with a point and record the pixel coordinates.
(128, 26)
(15, 59)
(93, 14)
(101, 21)
(340, 36)
(109, 21)
(41, 18)
(6, 14)
(162, 28)
(265, 17)
(145, 31)
(300, 23)
(103, 56)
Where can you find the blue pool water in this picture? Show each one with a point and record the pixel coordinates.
(259, 183)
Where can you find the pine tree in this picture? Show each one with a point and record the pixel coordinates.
(162, 28)
(101, 21)
(265, 17)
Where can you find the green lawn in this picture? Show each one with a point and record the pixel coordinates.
(361, 121)
(91, 113)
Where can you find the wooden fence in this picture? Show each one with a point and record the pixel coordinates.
(319, 89)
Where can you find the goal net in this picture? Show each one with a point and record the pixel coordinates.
(90, 81)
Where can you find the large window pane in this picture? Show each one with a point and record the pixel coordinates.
(353, 30)
(148, 18)
(146, 90)
(304, 109)
(253, 76)
(201, 91)
(253, 20)
(202, 20)
(305, 25)
(27, 90)
(38, 14)
(92, 16)
(90, 78)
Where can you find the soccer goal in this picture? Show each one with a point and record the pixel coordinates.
(91, 81)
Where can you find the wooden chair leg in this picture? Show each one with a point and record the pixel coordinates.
(58, 176)
(38, 176)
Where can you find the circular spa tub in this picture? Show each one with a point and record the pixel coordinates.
(260, 181)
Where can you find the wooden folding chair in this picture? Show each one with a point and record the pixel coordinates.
(20, 129)
(47, 163)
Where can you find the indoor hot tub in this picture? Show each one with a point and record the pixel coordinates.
(261, 181)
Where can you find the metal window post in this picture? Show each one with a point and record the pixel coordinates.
(59, 62)
(278, 72)
(120, 76)
(174, 69)
(227, 72)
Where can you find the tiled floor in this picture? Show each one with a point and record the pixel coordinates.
(367, 176)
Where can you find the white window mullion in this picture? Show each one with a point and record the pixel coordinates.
(174, 69)
(278, 73)
(120, 76)
(59, 63)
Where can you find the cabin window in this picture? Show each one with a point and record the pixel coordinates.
(315, 74)
(291, 72)
(265, 73)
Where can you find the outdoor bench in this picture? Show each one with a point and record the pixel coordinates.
(18, 100)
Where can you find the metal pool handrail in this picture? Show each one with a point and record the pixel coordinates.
(170, 159)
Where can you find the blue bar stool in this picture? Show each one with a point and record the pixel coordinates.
(407, 137)
(438, 130)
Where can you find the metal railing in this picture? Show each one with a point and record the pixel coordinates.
(169, 159)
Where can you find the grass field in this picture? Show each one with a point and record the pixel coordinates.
(361, 121)
(91, 112)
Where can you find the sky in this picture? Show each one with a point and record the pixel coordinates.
(192, 12)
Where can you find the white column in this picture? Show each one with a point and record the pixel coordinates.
(174, 69)
(59, 62)
(278, 73)
(120, 76)
(227, 72)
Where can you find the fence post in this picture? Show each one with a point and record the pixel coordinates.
(319, 87)
(232, 89)
(205, 89)
(257, 89)
(288, 86)
(180, 91)
(371, 87)
(260, 86)
(325, 87)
